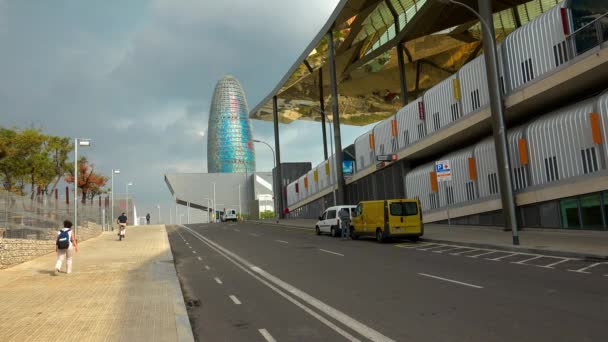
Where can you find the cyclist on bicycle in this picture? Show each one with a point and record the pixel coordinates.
(122, 224)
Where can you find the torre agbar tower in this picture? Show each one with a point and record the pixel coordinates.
(230, 140)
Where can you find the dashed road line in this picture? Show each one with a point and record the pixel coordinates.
(445, 250)
(194, 252)
(432, 247)
(237, 230)
(281, 241)
(330, 252)
(557, 263)
(482, 254)
(523, 262)
(235, 300)
(254, 234)
(207, 267)
(218, 280)
(199, 258)
(266, 335)
(464, 252)
(584, 269)
(190, 247)
(503, 257)
(451, 281)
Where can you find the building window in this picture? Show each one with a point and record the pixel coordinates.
(520, 178)
(420, 130)
(395, 146)
(406, 138)
(371, 156)
(362, 162)
(436, 123)
(470, 191)
(493, 181)
(455, 112)
(591, 212)
(382, 149)
(589, 160)
(502, 85)
(449, 195)
(569, 211)
(560, 53)
(433, 200)
(551, 169)
(476, 101)
(527, 70)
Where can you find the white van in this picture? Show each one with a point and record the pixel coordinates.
(230, 215)
(329, 222)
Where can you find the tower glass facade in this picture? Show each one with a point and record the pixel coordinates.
(230, 140)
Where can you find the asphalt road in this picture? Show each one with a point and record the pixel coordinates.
(256, 283)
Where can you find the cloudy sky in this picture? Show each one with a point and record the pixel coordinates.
(137, 77)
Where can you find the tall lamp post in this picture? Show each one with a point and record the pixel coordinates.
(497, 107)
(112, 210)
(84, 143)
(278, 186)
(127, 198)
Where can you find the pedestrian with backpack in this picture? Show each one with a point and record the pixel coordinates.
(65, 247)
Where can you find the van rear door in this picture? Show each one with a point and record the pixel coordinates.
(404, 217)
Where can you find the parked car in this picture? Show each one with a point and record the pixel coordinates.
(329, 221)
(398, 218)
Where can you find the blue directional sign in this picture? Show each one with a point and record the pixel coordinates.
(443, 168)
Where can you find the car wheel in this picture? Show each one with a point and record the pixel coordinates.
(317, 230)
(379, 236)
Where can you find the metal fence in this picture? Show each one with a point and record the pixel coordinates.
(39, 218)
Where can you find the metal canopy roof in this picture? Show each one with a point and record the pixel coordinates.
(439, 39)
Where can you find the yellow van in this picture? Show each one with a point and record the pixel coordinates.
(397, 218)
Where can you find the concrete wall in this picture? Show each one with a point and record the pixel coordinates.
(16, 251)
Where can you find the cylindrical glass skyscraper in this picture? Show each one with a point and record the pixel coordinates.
(230, 139)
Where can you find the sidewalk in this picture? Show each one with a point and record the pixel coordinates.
(576, 244)
(118, 291)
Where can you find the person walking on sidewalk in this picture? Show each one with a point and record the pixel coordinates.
(344, 216)
(148, 218)
(65, 247)
(122, 226)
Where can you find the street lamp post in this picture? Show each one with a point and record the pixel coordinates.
(84, 143)
(127, 198)
(497, 108)
(158, 207)
(112, 210)
(278, 183)
(214, 203)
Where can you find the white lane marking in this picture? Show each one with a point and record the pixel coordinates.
(451, 281)
(482, 254)
(190, 247)
(288, 292)
(254, 234)
(445, 250)
(556, 263)
(503, 257)
(237, 230)
(207, 267)
(433, 247)
(194, 252)
(218, 280)
(523, 262)
(267, 335)
(584, 269)
(330, 252)
(281, 241)
(464, 252)
(235, 300)
(410, 245)
(199, 258)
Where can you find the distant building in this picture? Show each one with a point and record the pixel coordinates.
(230, 139)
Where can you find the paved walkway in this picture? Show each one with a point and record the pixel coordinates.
(570, 243)
(118, 291)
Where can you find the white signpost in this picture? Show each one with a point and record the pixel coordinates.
(443, 169)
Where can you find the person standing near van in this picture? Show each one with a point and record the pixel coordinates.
(65, 247)
(344, 216)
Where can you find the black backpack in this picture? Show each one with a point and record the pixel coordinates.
(63, 240)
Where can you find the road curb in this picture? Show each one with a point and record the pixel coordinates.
(182, 321)
(552, 252)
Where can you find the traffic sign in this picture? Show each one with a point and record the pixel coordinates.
(443, 168)
(386, 157)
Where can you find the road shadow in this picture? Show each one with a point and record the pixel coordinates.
(49, 272)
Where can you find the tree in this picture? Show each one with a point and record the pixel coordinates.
(58, 149)
(88, 180)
